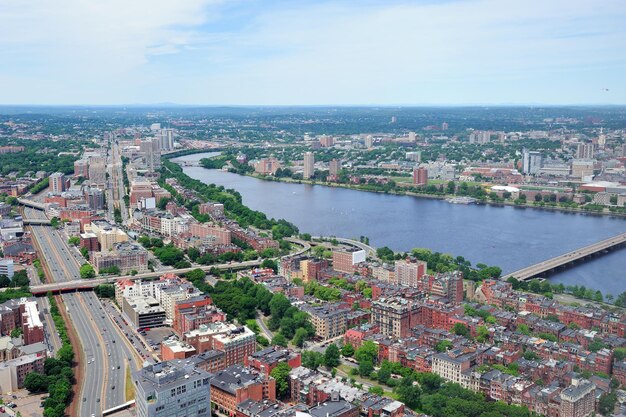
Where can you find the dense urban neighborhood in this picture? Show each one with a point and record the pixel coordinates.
(131, 288)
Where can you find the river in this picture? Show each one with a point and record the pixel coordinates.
(509, 237)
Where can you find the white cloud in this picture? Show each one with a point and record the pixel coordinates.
(335, 52)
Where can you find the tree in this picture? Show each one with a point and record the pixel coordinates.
(347, 350)
(366, 367)
(87, 271)
(300, 337)
(367, 352)
(460, 330)
(270, 263)
(408, 393)
(279, 340)
(312, 359)
(606, 404)
(523, 329)
(375, 389)
(443, 346)
(331, 356)
(482, 334)
(36, 382)
(281, 374)
(74, 241)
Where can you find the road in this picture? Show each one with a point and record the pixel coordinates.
(51, 335)
(103, 345)
(370, 251)
(81, 283)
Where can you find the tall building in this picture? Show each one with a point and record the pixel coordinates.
(420, 176)
(94, 198)
(531, 162)
(408, 272)
(344, 260)
(309, 165)
(151, 150)
(395, 316)
(334, 167)
(444, 126)
(166, 139)
(57, 183)
(81, 168)
(584, 151)
(97, 170)
(412, 136)
(326, 141)
(369, 141)
(578, 400)
(173, 388)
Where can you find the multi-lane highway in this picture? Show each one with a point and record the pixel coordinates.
(104, 348)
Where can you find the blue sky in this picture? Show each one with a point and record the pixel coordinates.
(313, 52)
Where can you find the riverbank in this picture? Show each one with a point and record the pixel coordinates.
(571, 210)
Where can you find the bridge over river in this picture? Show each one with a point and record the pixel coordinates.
(561, 261)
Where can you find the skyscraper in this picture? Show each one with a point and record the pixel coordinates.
(151, 150)
(309, 165)
(531, 162)
(167, 139)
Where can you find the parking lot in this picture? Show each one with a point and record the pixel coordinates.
(29, 405)
(155, 336)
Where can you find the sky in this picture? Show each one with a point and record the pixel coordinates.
(313, 52)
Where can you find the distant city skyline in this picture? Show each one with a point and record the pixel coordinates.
(305, 52)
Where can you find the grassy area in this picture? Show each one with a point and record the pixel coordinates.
(129, 388)
(345, 369)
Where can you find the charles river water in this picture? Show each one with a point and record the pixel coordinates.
(508, 237)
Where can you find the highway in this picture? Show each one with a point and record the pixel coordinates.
(103, 346)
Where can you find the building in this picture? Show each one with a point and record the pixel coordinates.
(94, 198)
(237, 342)
(334, 408)
(14, 371)
(333, 169)
(236, 384)
(584, 151)
(395, 316)
(578, 400)
(6, 268)
(143, 312)
(326, 141)
(172, 389)
(408, 272)
(89, 241)
(57, 183)
(453, 366)
(532, 162)
(344, 260)
(329, 320)
(97, 171)
(582, 168)
(420, 176)
(267, 359)
(108, 235)
(202, 230)
(81, 168)
(166, 139)
(309, 165)
(267, 166)
(150, 149)
(175, 349)
(126, 256)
